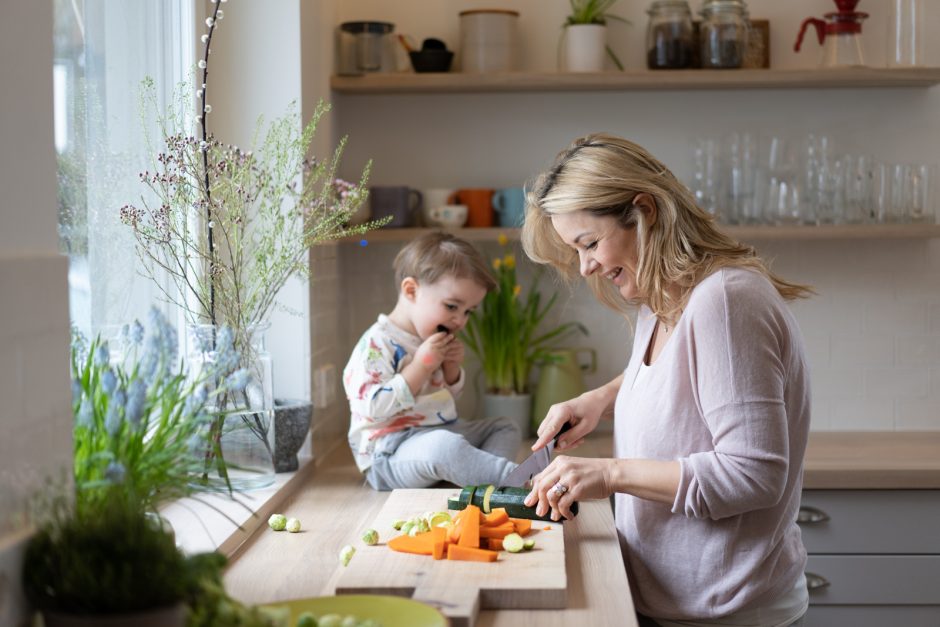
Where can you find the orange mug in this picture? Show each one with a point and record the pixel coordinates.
(479, 205)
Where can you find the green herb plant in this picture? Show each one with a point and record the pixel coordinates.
(593, 12)
(504, 332)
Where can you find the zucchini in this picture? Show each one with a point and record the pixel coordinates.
(508, 497)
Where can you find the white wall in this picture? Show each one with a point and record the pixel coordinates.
(35, 415)
(873, 333)
(255, 70)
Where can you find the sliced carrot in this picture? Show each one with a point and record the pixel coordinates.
(421, 544)
(546, 528)
(495, 544)
(523, 525)
(470, 533)
(454, 535)
(470, 554)
(497, 517)
(439, 549)
(500, 531)
(439, 534)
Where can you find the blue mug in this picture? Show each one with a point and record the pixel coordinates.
(509, 204)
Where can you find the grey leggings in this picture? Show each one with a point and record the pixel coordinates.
(467, 452)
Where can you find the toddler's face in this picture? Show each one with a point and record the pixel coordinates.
(447, 302)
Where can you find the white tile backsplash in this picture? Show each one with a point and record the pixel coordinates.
(872, 334)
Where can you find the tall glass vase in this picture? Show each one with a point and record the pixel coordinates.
(241, 429)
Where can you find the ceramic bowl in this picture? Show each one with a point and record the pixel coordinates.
(431, 60)
(387, 610)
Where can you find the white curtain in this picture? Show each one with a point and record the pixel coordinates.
(103, 50)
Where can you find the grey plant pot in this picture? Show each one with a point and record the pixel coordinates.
(291, 424)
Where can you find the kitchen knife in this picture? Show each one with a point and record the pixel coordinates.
(533, 464)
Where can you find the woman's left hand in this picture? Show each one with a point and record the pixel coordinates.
(576, 478)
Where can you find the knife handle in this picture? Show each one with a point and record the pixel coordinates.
(564, 427)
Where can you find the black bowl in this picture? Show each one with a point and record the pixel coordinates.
(431, 60)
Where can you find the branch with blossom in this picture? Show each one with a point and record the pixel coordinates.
(228, 226)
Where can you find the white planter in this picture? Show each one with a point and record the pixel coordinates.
(518, 407)
(585, 47)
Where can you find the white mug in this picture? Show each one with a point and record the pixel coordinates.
(433, 198)
(448, 215)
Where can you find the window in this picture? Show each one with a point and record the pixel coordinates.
(103, 49)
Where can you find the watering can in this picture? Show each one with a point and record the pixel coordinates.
(560, 379)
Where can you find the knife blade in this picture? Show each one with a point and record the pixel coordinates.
(534, 463)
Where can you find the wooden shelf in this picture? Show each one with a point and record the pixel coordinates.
(743, 233)
(455, 82)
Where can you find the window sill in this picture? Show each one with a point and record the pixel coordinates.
(200, 526)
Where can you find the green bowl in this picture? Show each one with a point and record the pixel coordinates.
(388, 610)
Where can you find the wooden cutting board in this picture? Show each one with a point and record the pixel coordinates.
(533, 579)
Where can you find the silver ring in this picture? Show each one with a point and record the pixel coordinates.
(559, 488)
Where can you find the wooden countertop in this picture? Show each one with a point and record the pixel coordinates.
(872, 460)
(334, 506)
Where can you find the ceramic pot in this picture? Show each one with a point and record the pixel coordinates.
(518, 407)
(585, 47)
(173, 616)
(291, 424)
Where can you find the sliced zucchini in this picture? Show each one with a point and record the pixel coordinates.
(513, 543)
(528, 544)
(487, 495)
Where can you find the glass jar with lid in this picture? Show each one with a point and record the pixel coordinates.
(723, 34)
(669, 36)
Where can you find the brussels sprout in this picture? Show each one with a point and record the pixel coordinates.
(277, 522)
(349, 621)
(398, 524)
(345, 554)
(307, 619)
(293, 525)
(407, 527)
(370, 536)
(370, 622)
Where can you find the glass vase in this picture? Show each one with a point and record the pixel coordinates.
(241, 429)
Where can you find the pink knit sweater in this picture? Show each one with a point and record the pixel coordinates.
(729, 398)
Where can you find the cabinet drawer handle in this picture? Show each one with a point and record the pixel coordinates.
(815, 582)
(809, 514)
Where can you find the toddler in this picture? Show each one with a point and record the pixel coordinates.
(405, 373)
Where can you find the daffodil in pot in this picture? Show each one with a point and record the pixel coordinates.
(584, 36)
(506, 335)
(227, 228)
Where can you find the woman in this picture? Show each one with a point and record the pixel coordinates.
(711, 416)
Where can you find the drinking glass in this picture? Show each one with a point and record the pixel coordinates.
(900, 192)
(706, 175)
(740, 178)
(880, 201)
(920, 182)
(780, 182)
(858, 189)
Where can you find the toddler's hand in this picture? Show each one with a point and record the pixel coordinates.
(453, 353)
(432, 352)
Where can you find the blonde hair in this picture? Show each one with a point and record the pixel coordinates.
(434, 255)
(602, 175)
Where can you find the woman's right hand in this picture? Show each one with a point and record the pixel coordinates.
(582, 412)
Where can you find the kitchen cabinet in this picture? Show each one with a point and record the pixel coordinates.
(874, 556)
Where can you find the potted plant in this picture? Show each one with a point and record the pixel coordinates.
(228, 227)
(505, 335)
(584, 35)
(106, 564)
